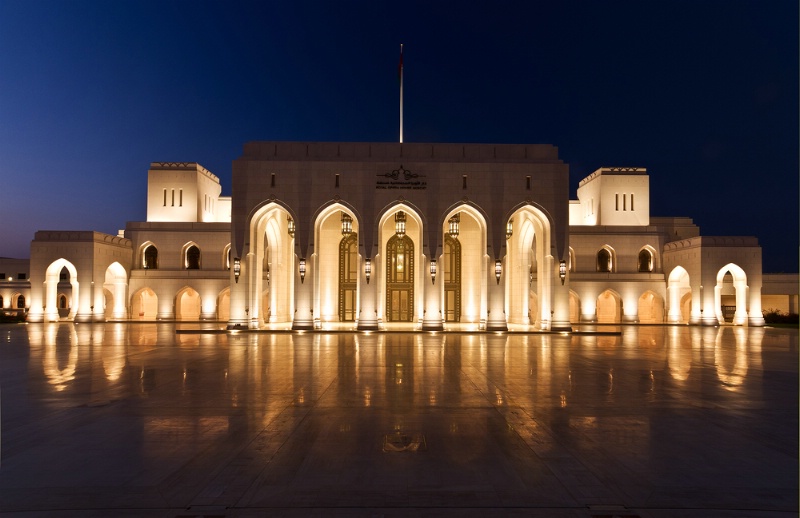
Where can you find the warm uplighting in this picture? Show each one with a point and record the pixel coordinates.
(510, 228)
(498, 270)
(290, 223)
(452, 226)
(347, 224)
(562, 271)
(367, 269)
(433, 271)
(400, 223)
(302, 270)
(237, 269)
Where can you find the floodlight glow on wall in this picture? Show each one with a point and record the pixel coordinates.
(498, 270)
(433, 271)
(452, 227)
(510, 228)
(562, 271)
(302, 270)
(237, 269)
(400, 223)
(367, 269)
(347, 224)
(290, 223)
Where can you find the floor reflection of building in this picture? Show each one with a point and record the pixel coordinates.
(399, 373)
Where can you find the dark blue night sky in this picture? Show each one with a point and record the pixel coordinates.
(702, 93)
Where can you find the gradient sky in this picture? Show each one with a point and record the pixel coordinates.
(704, 94)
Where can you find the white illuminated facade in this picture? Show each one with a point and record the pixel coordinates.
(389, 236)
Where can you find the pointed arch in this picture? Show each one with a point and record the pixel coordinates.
(224, 304)
(187, 304)
(52, 278)
(606, 259)
(737, 300)
(574, 307)
(651, 308)
(144, 304)
(148, 256)
(190, 256)
(398, 292)
(609, 307)
(472, 292)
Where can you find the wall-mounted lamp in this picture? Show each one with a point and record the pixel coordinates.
(347, 224)
(452, 225)
(433, 271)
(562, 271)
(510, 228)
(400, 223)
(237, 269)
(498, 270)
(367, 269)
(290, 223)
(302, 270)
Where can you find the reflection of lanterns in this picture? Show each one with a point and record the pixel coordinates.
(237, 269)
(562, 271)
(510, 228)
(433, 271)
(347, 224)
(302, 270)
(290, 223)
(400, 223)
(452, 226)
(367, 269)
(498, 270)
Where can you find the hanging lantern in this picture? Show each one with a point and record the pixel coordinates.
(452, 225)
(367, 269)
(237, 269)
(510, 228)
(498, 270)
(290, 223)
(400, 223)
(562, 271)
(433, 271)
(347, 224)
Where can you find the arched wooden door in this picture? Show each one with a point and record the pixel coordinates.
(452, 279)
(400, 279)
(348, 277)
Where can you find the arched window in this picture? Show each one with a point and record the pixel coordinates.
(62, 302)
(150, 258)
(645, 261)
(193, 258)
(21, 302)
(604, 260)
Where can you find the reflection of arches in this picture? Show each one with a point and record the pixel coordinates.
(348, 277)
(609, 308)
(149, 256)
(605, 259)
(731, 371)
(651, 308)
(574, 307)
(400, 279)
(224, 305)
(187, 304)
(54, 356)
(452, 278)
(144, 305)
(733, 294)
(191, 256)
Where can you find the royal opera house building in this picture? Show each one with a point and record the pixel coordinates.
(390, 236)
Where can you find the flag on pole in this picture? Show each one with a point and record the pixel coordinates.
(400, 66)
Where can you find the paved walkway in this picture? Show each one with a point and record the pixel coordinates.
(136, 420)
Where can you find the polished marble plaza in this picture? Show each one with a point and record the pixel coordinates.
(632, 421)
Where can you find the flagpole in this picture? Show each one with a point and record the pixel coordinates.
(401, 93)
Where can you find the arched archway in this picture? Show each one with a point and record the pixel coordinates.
(609, 307)
(52, 278)
(187, 304)
(149, 256)
(731, 292)
(144, 305)
(679, 297)
(574, 307)
(464, 266)
(529, 268)
(651, 308)
(400, 265)
(116, 284)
